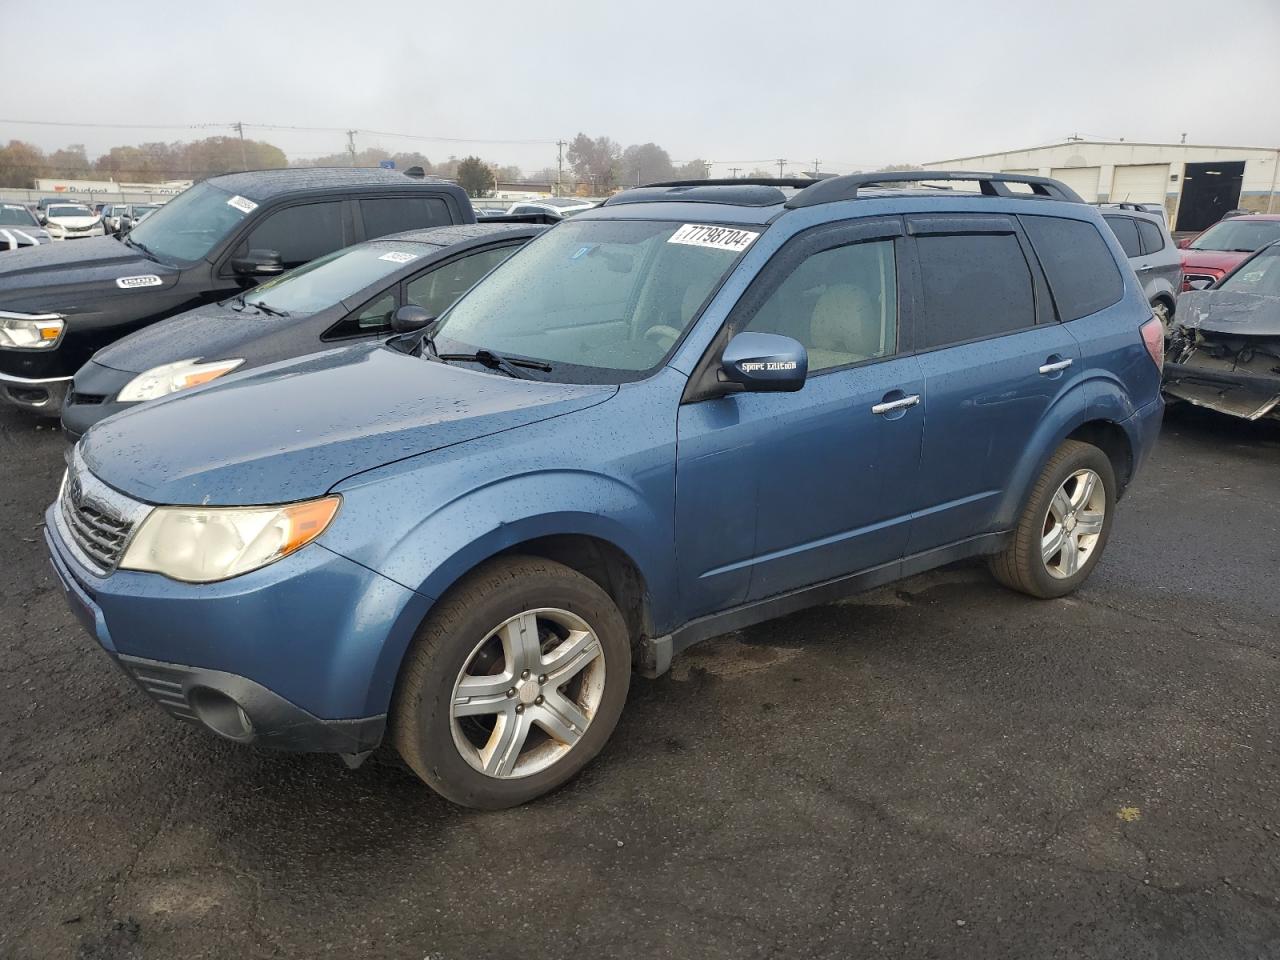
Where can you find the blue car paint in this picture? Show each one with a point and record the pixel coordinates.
(441, 467)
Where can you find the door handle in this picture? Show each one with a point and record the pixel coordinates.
(889, 406)
(1055, 367)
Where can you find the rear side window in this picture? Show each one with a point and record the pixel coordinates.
(975, 286)
(1126, 231)
(1151, 237)
(300, 234)
(1082, 273)
(386, 215)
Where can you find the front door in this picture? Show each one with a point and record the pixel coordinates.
(780, 491)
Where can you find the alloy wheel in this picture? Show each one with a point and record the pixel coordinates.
(1073, 524)
(527, 693)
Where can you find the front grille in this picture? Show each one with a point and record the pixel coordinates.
(89, 399)
(97, 520)
(1192, 278)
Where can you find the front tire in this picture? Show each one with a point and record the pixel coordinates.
(1064, 527)
(513, 683)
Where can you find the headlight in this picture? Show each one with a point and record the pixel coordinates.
(22, 331)
(205, 544)
(171, 377)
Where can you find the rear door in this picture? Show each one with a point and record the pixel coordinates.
(777, 491)
(994, 358)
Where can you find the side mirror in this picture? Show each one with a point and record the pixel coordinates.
(409, 318)
(256, 263)
(1185, 242)
(765, 362)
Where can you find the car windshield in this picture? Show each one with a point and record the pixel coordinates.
(600, 301)
(192, 223)
(1235, 234)
(16, 215)
(323, 282)
(1260, 275)
(66, 210)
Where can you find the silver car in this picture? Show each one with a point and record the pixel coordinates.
(1154, 256)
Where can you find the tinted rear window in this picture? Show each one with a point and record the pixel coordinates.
(1082, 273)
(975, 286)
(1126, 232)
(1152, 238)
(394, 214)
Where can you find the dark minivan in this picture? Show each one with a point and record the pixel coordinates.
(61, 302)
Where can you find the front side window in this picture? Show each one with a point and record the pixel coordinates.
(1243, 236)
(600, 301)
(192, 223)
(301, 233)
(975, 286)
(1126, 231)
(1260, 275)
(1078, 264)
(841, 304)
(384, 215)
(16, 215)
(327, 280)
(437, 290)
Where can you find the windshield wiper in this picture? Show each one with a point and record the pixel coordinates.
(496, 361)
(130, 242)
(261, 305)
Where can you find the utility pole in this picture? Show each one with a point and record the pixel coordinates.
(560, 145)
(1184, 138)
(244, 163)
(815, 166)
(781, 163)
(733, 172)
(351, 145)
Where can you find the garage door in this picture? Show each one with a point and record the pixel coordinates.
(1083, 180)
(1140, 183)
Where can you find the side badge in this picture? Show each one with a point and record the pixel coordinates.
(147, 280)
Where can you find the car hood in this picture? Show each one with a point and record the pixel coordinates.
(73, 221)
(291, 430)
(36, 276)
(1226, 311)
(1213, 259)
(212, 332)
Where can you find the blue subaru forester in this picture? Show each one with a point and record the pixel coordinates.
(694, 408)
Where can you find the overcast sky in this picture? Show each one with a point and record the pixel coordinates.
(854, 84)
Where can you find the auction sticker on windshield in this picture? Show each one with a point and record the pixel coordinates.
(397, 256)
(241, 204)
(718, 238)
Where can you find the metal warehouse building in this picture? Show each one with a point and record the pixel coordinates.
(1196, 184)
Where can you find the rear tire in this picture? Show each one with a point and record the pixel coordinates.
(512, 684)
(1064, 526)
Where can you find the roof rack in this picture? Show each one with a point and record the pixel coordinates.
(990, 184)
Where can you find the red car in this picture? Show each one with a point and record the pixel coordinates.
(1209, 257)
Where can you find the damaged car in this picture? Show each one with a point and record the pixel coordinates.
(1224, 350)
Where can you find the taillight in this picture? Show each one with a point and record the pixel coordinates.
(1153, 336)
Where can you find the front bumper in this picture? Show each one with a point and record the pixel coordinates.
(41, 395)
(93, 397)
(1221, 386)
(299, 655)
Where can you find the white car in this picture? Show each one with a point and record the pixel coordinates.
(562, 207)
(71, 221)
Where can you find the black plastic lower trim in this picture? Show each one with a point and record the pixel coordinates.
(210, 698)
(829, 591)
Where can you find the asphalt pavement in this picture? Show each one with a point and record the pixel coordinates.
(941, 768)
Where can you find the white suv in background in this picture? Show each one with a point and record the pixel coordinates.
(71, 221)
(562, 207)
